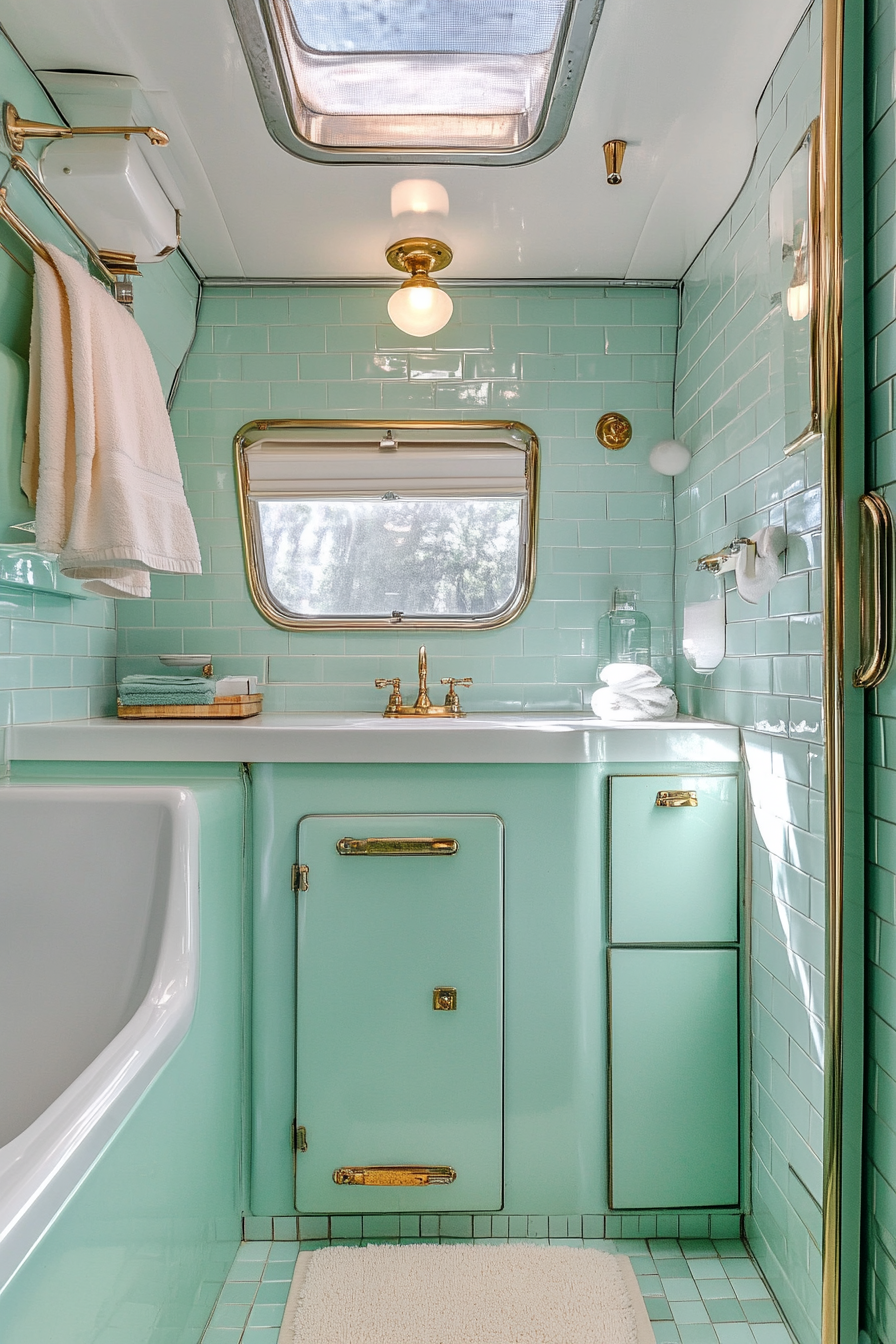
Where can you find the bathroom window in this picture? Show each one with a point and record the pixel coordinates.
(358, 525)
(417, 80)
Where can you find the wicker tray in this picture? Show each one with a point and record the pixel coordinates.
(224, 707)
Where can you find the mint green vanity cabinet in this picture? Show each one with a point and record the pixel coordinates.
(399, 1012)
(673, 869)
(674, 1132)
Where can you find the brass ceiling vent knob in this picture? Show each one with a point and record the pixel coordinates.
(614, 153)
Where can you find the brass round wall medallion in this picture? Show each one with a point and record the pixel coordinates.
(613, 430)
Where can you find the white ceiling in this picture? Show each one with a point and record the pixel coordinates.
(678, 79)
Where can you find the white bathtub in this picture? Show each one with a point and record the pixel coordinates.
(99, 965)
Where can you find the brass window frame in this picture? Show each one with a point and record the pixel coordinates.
(253, 559)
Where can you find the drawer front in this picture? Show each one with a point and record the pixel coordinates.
(674, 1096)
(384, 1077)
(673, 869)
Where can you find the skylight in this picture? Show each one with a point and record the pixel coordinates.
(420, 80)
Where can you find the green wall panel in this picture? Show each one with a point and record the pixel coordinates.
(381, 1077)
(674, 1111)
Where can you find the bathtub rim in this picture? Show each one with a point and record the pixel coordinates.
(41, 1168)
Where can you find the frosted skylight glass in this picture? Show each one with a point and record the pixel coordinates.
(503, 27)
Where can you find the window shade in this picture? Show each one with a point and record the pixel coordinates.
(314, 471)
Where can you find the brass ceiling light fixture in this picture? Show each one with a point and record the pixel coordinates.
(614, 153)
(419, 307)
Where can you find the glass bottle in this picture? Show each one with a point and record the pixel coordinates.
(703, 635)
(623, 634)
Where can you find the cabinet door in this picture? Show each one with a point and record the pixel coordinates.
(673, 870)
(384, 1078)
(674, 1134)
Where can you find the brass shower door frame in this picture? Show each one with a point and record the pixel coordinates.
(839, 357)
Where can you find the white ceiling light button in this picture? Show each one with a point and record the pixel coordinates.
(669, 457)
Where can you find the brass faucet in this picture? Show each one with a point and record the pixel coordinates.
(423, 705)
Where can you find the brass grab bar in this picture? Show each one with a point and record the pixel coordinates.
(394, 1175)
(876, 591)
(19, 129)
(676, 798)
(395, 845)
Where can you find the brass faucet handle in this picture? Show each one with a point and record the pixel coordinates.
(395, 696)
(451, 699)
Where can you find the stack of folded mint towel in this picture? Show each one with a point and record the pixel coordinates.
(146, 690)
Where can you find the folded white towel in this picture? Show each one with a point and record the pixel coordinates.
(630, 677)
(770, 541)
(658, 703)
(100, 461)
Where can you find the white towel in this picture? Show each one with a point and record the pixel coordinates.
(609, 703)
(100, 462)
(770, 541)
(633, 692)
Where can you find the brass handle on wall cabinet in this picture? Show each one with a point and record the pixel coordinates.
(676, 798)
(394, 1175)
(396, 846)
(876, 555)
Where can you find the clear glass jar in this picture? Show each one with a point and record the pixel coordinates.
(623, 634)
(703, 636)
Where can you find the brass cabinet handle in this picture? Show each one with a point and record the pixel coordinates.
(875, 591)
(676, 798)
(396, 845)
(394, 1175)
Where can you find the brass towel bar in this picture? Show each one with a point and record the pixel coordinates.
(396, 845)
(19, 129)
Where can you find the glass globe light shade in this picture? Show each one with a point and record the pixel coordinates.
(669, 457)
(420, 307)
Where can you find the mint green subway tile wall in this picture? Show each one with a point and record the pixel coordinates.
(729, 411)
(879, 1269)
(57, 656)
(553, 358)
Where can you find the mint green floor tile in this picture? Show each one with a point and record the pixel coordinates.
(689, 1313)
(265, 1335)
(664, 1249)
(658, 1309)
(673, 1269)
(599, 1244)
(697, 1334)
(666, 1332)
(651, 1285)
(642, 1264)
(284, 1252)
(239, 1291)
(731, 1248)
(216, 1336)
(760, 1311)
(710, 1288)
(697, 1248)
(250, 1252)
(273, 1294)
(735, 1334)
(739, 1269)
(681, 1290)
(724, 1309)
(567, 1241)
(771, 1334)
(749, 1288)
(707, 1269)
(230, 1315)
(265, 1314)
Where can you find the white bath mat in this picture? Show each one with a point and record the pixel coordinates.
(464, 1294)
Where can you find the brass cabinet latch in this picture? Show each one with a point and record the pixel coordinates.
(444, 999)
(394, 1175)
(676, 798)
(299, 1138)
(299, 877)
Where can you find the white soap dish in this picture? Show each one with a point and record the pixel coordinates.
(184, 660)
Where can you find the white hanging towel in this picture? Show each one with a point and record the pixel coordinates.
(100, 463)
(770, 542)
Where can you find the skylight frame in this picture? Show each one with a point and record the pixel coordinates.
(258, 23)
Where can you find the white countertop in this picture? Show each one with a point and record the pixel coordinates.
(329, 737)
